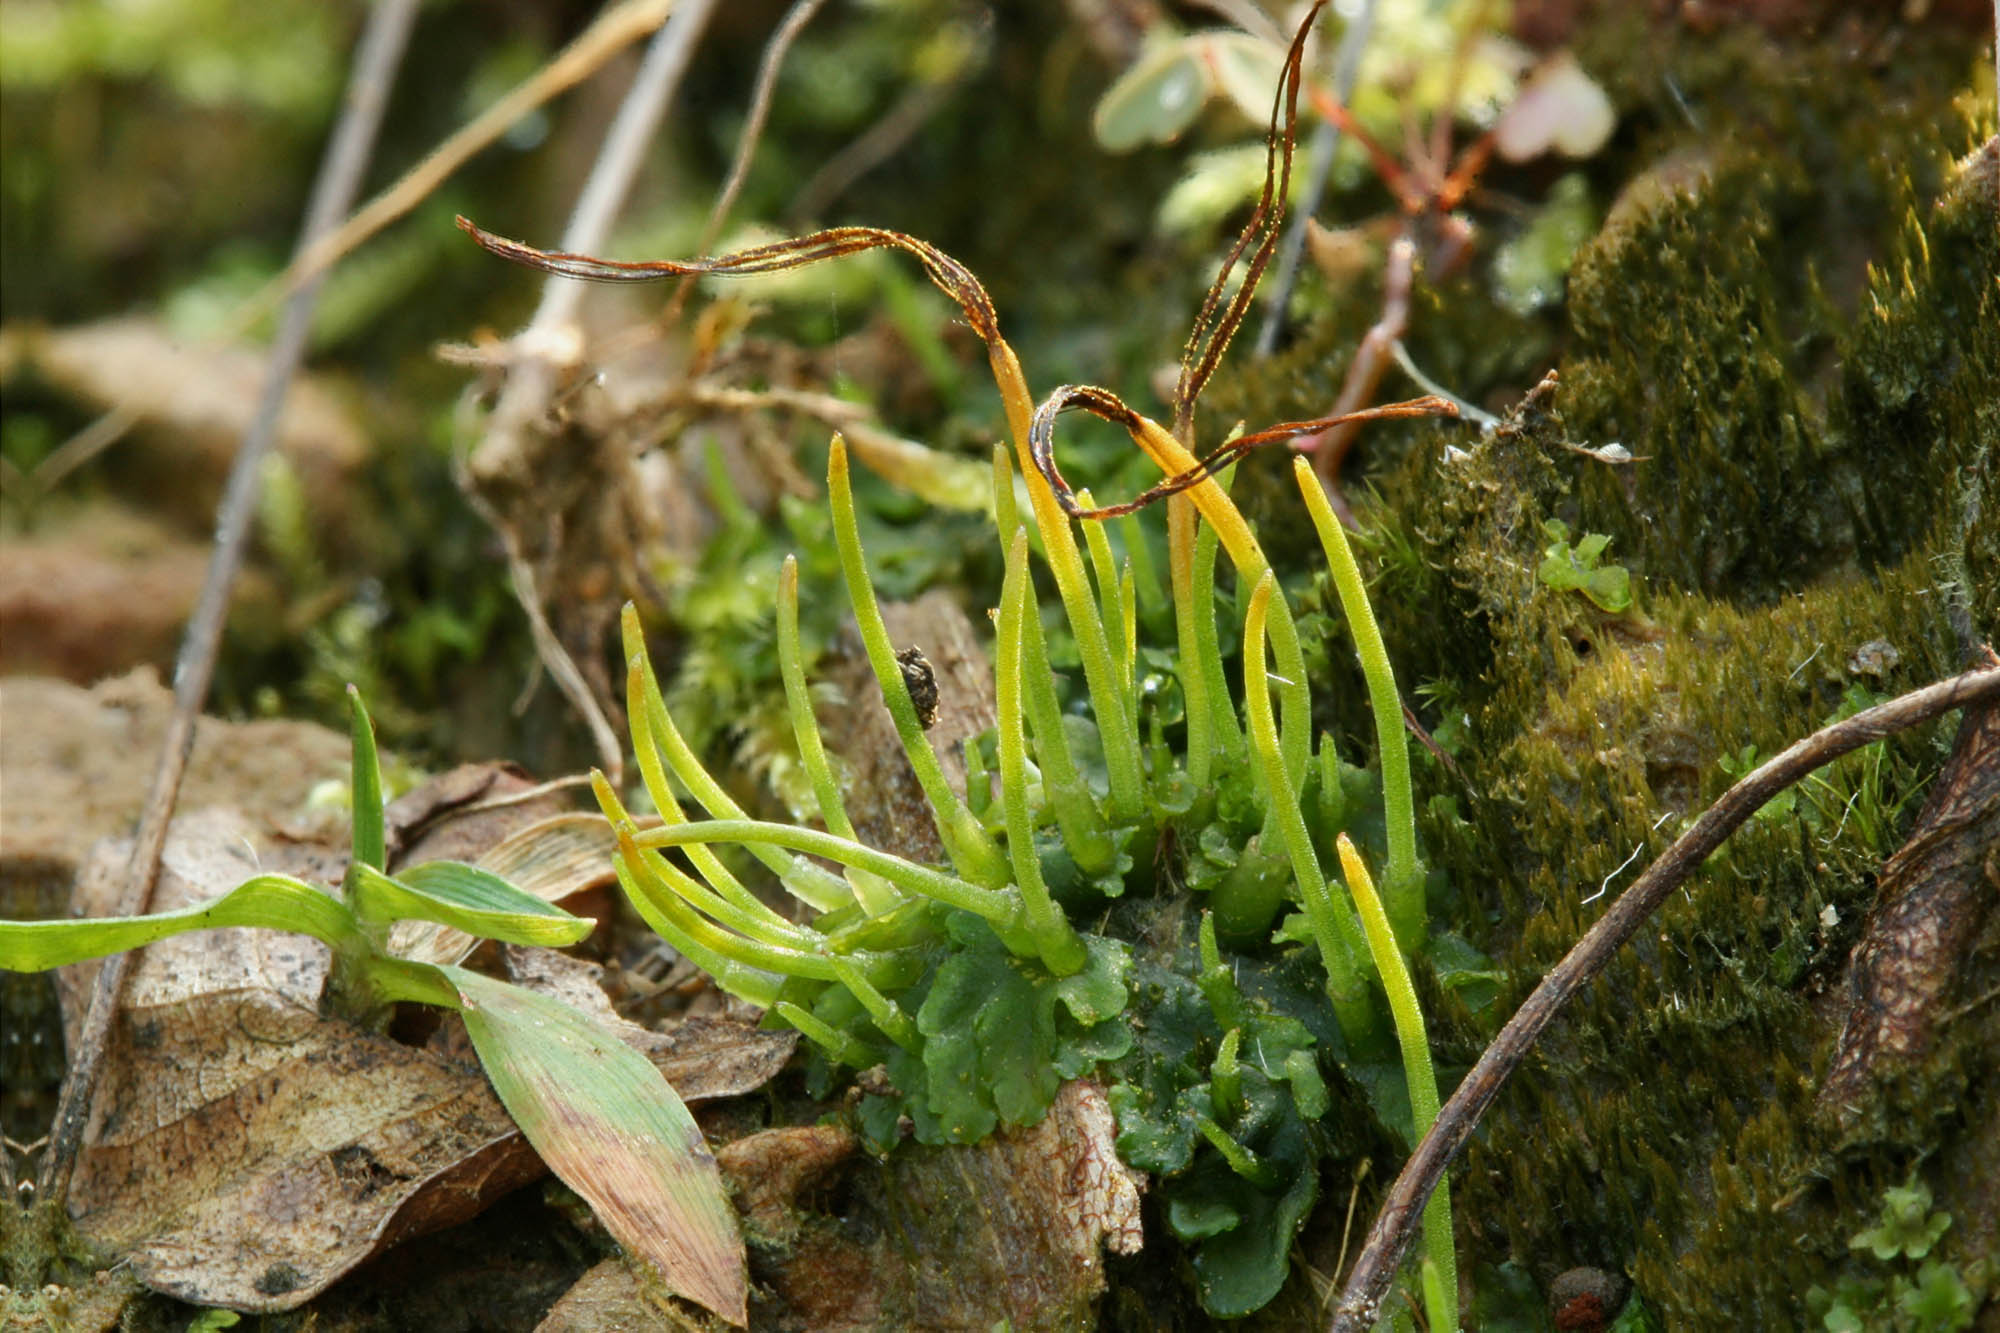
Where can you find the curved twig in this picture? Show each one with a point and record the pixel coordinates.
(1214, 324)
(1389, 1238)
(952, 277)
(775, 50)
(957, 282)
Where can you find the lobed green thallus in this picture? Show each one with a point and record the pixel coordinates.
(970, 982)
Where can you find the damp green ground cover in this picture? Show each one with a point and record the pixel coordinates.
(1788, 318)
(1796, 327)
(1791, 333)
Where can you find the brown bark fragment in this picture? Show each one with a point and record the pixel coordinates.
(962, 1237)
(770, 1169)
(884, 800)
(1935, 895)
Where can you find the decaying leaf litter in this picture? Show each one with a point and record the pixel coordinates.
(1901, 385)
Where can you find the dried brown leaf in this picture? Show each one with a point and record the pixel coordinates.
(245, 1152)
(202, 398)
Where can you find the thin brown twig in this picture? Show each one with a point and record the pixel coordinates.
(502, 459)
(1346, 1232)
(1364, 373)
(869, 149)
(1389, 1239)
(555, 658)
(376, 59)
(775, 51)
(526, 794)
(79, 449)
(613, 31)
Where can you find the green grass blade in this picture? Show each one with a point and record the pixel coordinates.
(1059, 946)
(370, 832)
(798, 703)
(1001, 908)
(752, 984)
(1207, 545)
(838, 1045)
(676, 897)
(1111, 603)
(1182, 519)
(650, 717)
(1418, 1073)
(663, 882)
(1068, 795)
(1403, 888)
(877, 895)
(1341, 944)
(650, 724)
(274, 902)
(975, 855)
(1076, 811)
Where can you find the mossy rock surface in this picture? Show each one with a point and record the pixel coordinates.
(1792, 321)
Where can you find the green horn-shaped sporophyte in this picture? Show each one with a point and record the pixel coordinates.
(982, 983)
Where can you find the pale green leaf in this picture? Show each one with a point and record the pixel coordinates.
(370, 834)
(1154, 100)
(607, 1123)
(1247, 70)
(466, 898)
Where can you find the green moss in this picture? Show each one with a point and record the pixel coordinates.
(1797, 336)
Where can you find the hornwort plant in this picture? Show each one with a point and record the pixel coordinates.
(970, 983)
(598, 1112)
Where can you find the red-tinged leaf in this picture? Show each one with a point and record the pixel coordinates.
(612, 1128)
